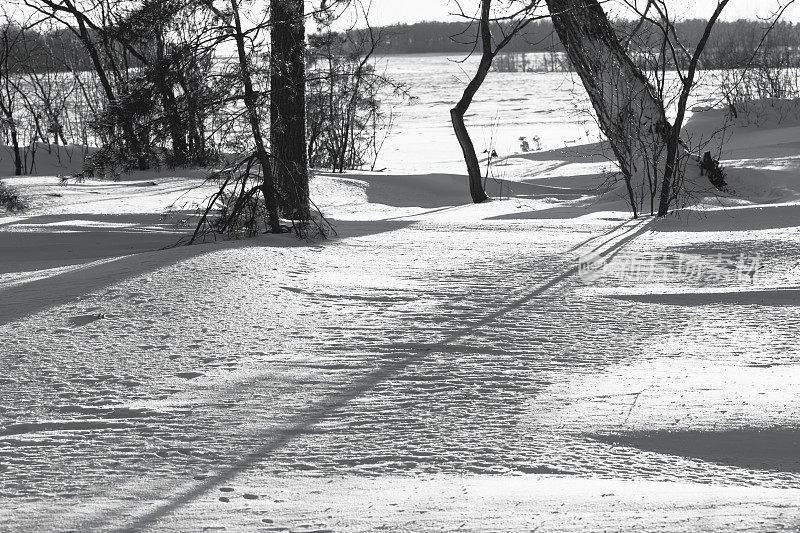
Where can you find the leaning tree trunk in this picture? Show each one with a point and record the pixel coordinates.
(476, 189)
(18, 170)
(267, 184)
(287, 107)
(629, 110)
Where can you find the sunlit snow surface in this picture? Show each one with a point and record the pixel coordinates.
(435, 365)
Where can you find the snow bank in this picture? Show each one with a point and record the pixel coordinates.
(759, 149)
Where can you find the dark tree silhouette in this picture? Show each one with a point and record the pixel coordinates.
(287, 107)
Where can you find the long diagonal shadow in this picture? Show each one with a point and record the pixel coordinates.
(637, 225)
(304, 420)
(92, 273)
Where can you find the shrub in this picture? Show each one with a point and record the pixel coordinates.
(10, 199)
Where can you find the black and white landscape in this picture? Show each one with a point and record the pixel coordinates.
(247, 285)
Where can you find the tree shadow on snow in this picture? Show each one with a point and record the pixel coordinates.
(753, 217)
(599, 152)
(784, 296)
(49, 241)
(443, 190)
(57, 267)
(750, 448)
(394, 361)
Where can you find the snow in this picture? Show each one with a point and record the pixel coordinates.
(538, 361)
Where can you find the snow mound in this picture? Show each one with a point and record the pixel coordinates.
(761, 128)
(759, 148)
(760, 185)
(764, 113)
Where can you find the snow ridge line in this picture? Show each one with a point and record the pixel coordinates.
(306, 419)
(14, 279)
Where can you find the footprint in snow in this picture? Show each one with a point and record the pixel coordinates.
(189, 375)
(82, 320)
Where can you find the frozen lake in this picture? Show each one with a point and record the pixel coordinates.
(551, 105)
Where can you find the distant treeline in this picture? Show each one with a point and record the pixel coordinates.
(53, 51)
(731, 44)
(734, 44)
(456, 37)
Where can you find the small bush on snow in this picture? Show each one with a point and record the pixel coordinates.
(10, 199)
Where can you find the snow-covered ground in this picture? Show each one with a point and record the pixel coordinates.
(536, 362)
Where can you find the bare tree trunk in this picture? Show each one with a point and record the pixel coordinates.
(249, 97)
(287, 107)
(7, 89)
(476, 190)
(8, 114)
(18, 168)
(508, 29)
(628, 109)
